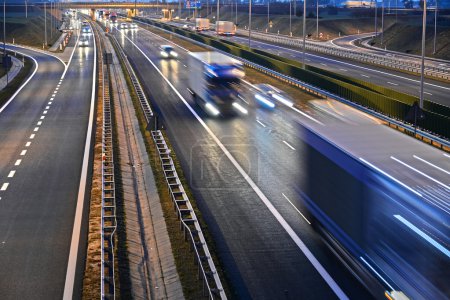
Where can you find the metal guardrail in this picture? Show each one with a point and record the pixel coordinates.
(108, 207)
(391, 61)
(189, 223)
(145, 106)
(188, 220)
(434, 140)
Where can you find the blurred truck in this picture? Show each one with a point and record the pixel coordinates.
(225, 28)
(390, 237)
(201, 24)
(212, 82)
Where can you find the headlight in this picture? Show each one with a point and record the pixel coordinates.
(212, 109)
(173, 53)
(240, 108)
(164, 54)
(264, 100)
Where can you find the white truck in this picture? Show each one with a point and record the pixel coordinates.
(213, 82)
(201, 24)
(225, 28)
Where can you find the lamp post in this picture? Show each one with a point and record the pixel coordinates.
(422, 67)
(218, 12)
(249, 22)
(435, 27)
(317, 18)
(45, 23)
(268, 15)
(304, 32)
(376, 18)
(382, 22)
(290, 17)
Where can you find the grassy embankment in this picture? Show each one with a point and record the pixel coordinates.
(12, 87)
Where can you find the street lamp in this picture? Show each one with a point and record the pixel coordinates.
(376, 18)
(382, 21)
(304, 32)
(422, 67)
(268, 15)
(290, 17)
(317, 18)
(435, 26)
(218, 12)
(249, 22)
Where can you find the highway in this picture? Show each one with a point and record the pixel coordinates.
(409, 84)
(245, 173)
(42, 145)
(435, 91)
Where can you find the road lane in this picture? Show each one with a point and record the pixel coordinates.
(280, 172)
(49, 120)
(227, 201)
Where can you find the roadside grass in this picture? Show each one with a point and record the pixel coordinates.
(11, 88)
(92, 272)
(184, 256)
(30, 31)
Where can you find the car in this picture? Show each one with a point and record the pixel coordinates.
(83, 42)
(133, 25)
(123, 25)
(86, 29)
(85, 23)
(168, 52)
(267, 95)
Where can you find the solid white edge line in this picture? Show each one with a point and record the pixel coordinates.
(308, 254)
(295, 207)
(74, 244)
(36, 66)
(423, 235)
(70, 58)
(420, 172)
(433, 165)
(289, 145)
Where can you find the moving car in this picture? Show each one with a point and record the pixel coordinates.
(133, 25)
(86, 29)
(123, 25)
(267, 95)
(168, 52)
(83, 42)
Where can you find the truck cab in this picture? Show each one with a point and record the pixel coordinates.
(214, 81)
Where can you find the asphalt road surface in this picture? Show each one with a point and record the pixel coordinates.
(42, 141)
(261, 260)
(261, 256)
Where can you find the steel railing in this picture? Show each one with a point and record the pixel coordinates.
(212, 286)
(108, 207)
(207, 272)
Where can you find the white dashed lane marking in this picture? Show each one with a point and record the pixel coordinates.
(32, 136)
(4, 186)
(28, 144)
(23, 152)
(18, 162)
(287, 144)
(36, 129)
(11, 174)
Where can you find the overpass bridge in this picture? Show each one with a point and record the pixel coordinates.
(131, 7)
